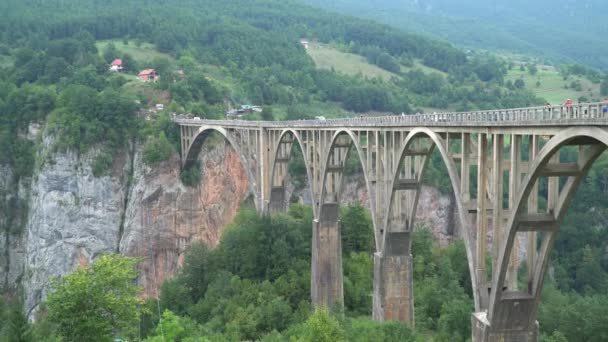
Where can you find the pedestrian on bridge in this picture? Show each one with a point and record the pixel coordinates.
(568, 105)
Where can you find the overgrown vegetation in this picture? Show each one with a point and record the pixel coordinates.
(256, 285)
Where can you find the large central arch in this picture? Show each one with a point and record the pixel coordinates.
(515, 310)
(414, 156)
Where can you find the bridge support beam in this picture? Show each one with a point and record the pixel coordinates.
(393, 297)
(503, 330)
(326, 278)
(277, 200)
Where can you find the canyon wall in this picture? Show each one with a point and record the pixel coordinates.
(136, 210)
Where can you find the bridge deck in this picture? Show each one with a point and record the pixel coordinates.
(594, 114)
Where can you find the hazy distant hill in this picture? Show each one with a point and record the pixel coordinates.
(564, 30)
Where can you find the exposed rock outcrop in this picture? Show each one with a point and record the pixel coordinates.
(12, 212)
(164, 217)
(73, 218)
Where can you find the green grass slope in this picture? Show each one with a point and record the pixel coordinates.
(550, 85)
(347, 63)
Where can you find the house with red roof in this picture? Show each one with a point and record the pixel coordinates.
(116, 65)
(148, 75)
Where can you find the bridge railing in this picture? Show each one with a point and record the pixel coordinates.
(585, 113)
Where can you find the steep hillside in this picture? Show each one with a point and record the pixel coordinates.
(563, 30)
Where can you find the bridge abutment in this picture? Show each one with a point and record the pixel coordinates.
(393, 297)
(504, 330)
(326, 263)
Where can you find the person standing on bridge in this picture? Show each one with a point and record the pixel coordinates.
(605, 107)
(568, 105)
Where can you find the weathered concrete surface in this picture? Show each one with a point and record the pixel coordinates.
(326, 278)
(483, 332)
(393, 297)
(278, 202)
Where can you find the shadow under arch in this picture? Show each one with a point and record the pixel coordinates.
(594, 137)
(326, 161)
(465, 222)
(296, 138)
(197, 144)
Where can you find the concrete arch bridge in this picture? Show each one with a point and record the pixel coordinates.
(509, 153)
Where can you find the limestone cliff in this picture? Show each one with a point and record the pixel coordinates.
(73, 218)
(136, 210)
(163, 216)
(13, 209)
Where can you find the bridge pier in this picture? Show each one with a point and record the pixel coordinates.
(277, 200)
(393, 297)
(326, 278)
(503, 330)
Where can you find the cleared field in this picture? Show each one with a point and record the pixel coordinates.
(347, 63)
(144, 52)
(552, 85)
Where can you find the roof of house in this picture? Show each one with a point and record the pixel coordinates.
(117, 62)
(146, 72)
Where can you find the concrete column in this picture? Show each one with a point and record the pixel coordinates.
(326, 278)
(277, 200)
(481, 245)
(393, 297)
(482, 331)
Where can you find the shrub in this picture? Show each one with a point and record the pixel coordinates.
(157, 149)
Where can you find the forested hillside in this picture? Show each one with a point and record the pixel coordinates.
(52, 66)
(564, 30)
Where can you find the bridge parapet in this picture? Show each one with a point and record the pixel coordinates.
(580, 114)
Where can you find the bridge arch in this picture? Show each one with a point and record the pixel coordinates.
(329, 166)
(196, 146)
(510, 306)
(281, 156)
(326, 273)
(414, 184)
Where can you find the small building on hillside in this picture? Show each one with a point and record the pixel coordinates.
(305, 43)
(149, 75)
(116, 65)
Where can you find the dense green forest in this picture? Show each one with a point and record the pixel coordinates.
(564, 31)
(256, 286)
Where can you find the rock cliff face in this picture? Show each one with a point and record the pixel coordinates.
(12, 213)
(73, 218)
(163, 216)
(136, 210)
